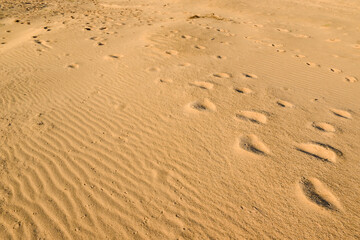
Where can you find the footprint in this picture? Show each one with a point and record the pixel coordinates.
(285, 104)
(311, 64)
(165, 80)
(320, 151)
(248, 75)
(351, 79)
(172, 52)
(222, 75)
(282, 30)
(252, 116)
(299, 56)
(252, 144)
(335, 70)
(333, 40)
(203, 85)
(219, 57)
(73, 66)
(356, 46)
(201, 106)
(114, 56)
(341, 113)
(186, 36)
(243, 90)
(323, 126)
(153, 69)
(184, 64)
(314, 191)
(199, 47)
(280, 50)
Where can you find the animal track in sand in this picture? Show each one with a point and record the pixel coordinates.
(203, 85)
(341, 113)
(222, 75)
(313, 191)
(283, 30)
(172, 52)
(201, 106)
(356, 46)
(252, 144)
(323, 126)
(311, 64)
(252, 116)
(243, 90)
(320, 151)
(284, 104)
(199, 47)
(335, 70)
(248, 75)
(280, 50)
(350, 79)
(184, 64)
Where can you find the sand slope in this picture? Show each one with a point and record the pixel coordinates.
(179, 120)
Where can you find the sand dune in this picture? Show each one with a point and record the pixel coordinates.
(179, 119)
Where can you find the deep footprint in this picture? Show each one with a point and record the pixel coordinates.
(315, 192)
(251, 116)
(252, 144)
(321, 151)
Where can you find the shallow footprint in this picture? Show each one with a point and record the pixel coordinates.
(222, 75)
(311, 64)
(199, 47)
(320, 151)
(285, 104)
(203, 85)
(252, 116)
(252, 144)
(73, 66)
(172, 52)
(243, 90)
(201, 106)
(335, 70)
(341, 113)
(323, 126)
(314, 192)
(249, 75)
(351, 79)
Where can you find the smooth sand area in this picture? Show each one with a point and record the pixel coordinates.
(179, 119)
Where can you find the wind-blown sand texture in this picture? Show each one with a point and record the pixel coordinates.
(179, 119)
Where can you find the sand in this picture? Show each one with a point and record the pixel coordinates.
(179, 119)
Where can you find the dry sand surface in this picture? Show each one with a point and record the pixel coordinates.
(179, 119)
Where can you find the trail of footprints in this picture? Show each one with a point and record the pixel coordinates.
(310, 189)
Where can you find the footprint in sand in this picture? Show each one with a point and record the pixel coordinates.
(357, 46)
(172, 52)
(333, 40)
(299, 56)
(199, 47)
(165, 80)
(341, 113)
(252, 144)
(283, 30)
(186, 36)
(311, 64)
(203, 85)
(313, 191)
(243, 90)
(350, 79)
(73, 66)
(321, 151)
(222, 75)
(219, 57)
(249, 75)
(252, 116)
(201, 106)
(113, 56)
(284, 104)
(324, 127)
(153, 69)
(335, 70)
